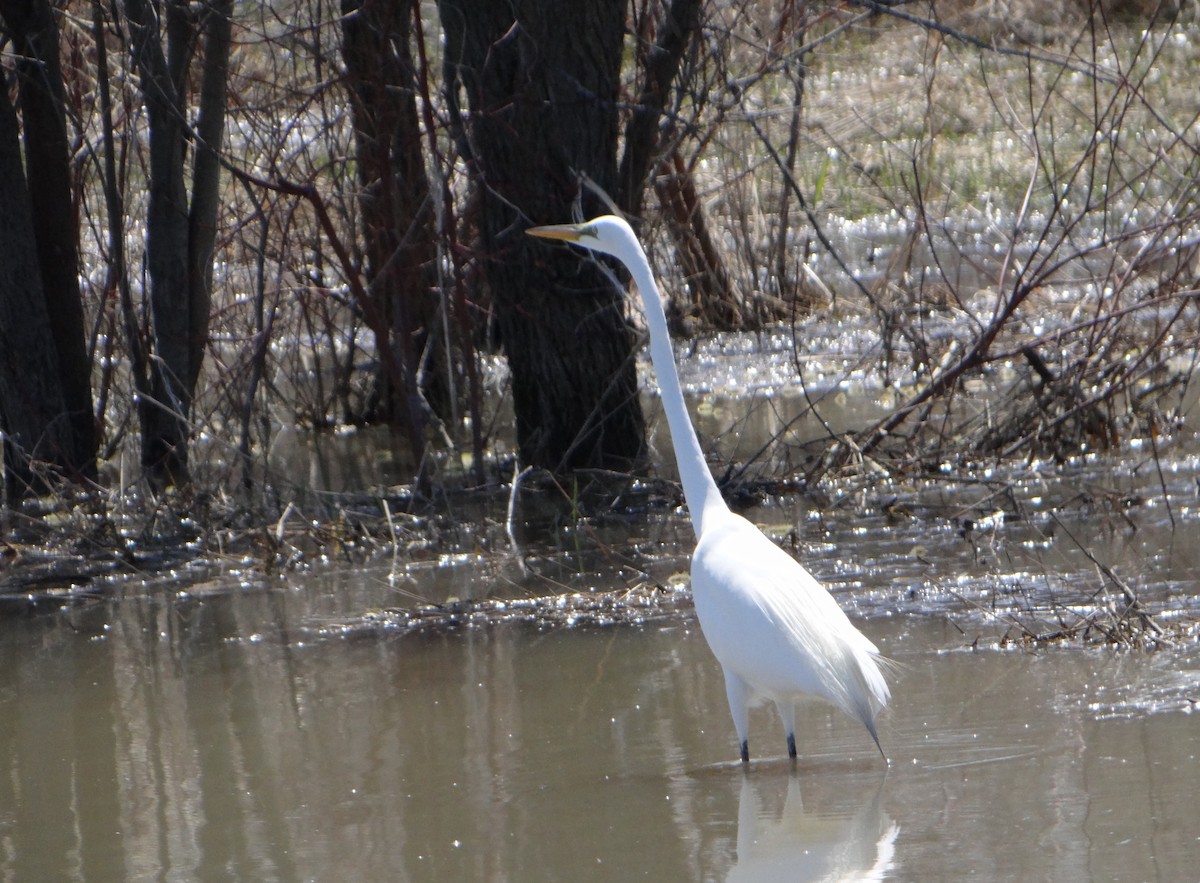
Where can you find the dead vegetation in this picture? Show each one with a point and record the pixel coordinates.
(899, 167)
(1040, 205)
(1022, 174)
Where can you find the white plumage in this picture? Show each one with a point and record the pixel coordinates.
(776, 631)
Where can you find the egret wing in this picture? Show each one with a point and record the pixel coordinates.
(772, 623)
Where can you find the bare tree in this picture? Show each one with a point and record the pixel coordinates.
(396, 219)
(45, 391)
(180, 232)
(541, 80)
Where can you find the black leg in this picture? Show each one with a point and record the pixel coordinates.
(792, 745)
(746, 751)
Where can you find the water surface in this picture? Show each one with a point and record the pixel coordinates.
(222, 735)
(226, 723)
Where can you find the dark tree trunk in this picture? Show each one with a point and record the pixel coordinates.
(397, 211)
(31, 400)
(216, 25)
(660, 66)
(696, 251)
(541, 79)
(164, 415)
(649, 144)
(46, 401)
(179, 240)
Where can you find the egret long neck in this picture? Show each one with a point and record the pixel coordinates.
(699, 489)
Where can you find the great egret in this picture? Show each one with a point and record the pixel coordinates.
(775, 630)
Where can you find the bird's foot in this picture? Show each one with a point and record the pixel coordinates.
(745, 751)
(792, 745)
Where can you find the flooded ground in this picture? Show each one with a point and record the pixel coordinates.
(476, 709)
(222, 736)
(320, 724)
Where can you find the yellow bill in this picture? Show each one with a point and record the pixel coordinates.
(564, 232)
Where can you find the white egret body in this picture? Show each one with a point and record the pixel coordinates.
(775, 630)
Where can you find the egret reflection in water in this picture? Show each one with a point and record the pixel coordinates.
(809, 845)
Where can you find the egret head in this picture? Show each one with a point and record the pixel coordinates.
(607, 234)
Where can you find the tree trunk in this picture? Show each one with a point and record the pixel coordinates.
(696, 251)
(681, 20)
(216, 24)
(31, 400)
(179, 240)
(396, 208)
(704, 270)
(46, 402)
(541, 79)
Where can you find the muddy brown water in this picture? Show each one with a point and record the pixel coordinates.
(272, 728)
(224, 724)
